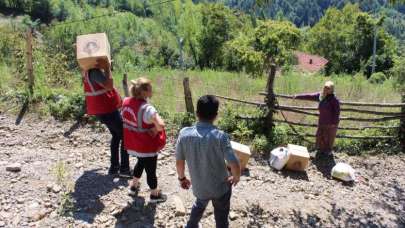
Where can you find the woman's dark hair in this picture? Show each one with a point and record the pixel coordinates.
(207, 107)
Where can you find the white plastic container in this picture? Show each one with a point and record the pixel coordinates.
(279, 157)
(344, 172)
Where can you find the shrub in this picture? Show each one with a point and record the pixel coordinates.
(377, 78)
(183, 119)
(398, 72)
(66, 107)
(228, 122)
(242, 132)
(260, 144)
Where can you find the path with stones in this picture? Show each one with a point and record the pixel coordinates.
(32, 192)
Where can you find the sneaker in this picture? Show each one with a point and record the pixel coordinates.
(125, 173)
(112, 170)
(158, 199)
(133, 191)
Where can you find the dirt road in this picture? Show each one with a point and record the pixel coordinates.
(52, 163)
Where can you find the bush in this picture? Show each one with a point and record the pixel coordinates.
(228, 122)
(242, 132)
(183, 119)
(377, 78)
(398, 72)
(356, 147)
(67, 107)
(260, 144)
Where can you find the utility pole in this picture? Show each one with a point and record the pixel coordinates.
(181, 61)
(374, 49)
(375, 38)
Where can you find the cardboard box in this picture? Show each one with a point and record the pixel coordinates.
(91, 47)
(299, 158)
(243, 153)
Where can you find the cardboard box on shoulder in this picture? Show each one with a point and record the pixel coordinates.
(243, 153)
(90, 48)
(299, 158)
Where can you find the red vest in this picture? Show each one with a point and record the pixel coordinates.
(98, 99)
(136, 136)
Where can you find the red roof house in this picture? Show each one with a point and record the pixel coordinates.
(308, 62)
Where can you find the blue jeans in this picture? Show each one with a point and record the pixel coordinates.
(113, 121)
(221, 211)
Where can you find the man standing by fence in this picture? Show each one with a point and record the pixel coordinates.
(205, 149)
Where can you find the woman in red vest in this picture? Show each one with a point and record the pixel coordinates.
(103, 101)
(144, 135)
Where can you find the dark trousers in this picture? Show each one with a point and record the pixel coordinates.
(149, 164)
(221, 211)
(114, 124)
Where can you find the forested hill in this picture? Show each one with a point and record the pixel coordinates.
(194, 34)
(309, 12)
(300, 12)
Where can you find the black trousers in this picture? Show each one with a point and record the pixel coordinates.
(114, 124)
(149, 164)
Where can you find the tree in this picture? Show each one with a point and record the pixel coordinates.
(272, 42)
(398, 73)
(218, 26)
(345, 38)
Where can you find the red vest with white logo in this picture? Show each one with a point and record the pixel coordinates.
(99, 100)
(136, 136)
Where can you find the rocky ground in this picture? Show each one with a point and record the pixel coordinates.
(49, 178)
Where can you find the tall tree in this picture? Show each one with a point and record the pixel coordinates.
(345, 38)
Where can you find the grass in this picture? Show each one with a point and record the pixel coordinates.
(169, 97)
(62, 175)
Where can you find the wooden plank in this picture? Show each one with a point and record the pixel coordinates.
(125, 85)
(187, 96)
(30, 69)
(385, 118)
(297, 111)
(345, 110)
(340, 128)
(350, 136)
(242, 101)
(389, 105)
(401, 132)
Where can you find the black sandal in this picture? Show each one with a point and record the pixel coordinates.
(158, 198)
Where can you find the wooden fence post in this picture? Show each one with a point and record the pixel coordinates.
(125, 85)
(270, 99)
(30, 69)
(187, 96)
(402, 125)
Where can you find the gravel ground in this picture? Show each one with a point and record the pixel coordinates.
(40, 165)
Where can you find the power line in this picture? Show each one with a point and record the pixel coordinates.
(87, 19)
(104, 15)
(163, 2)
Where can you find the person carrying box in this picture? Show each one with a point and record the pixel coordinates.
(104, 102)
